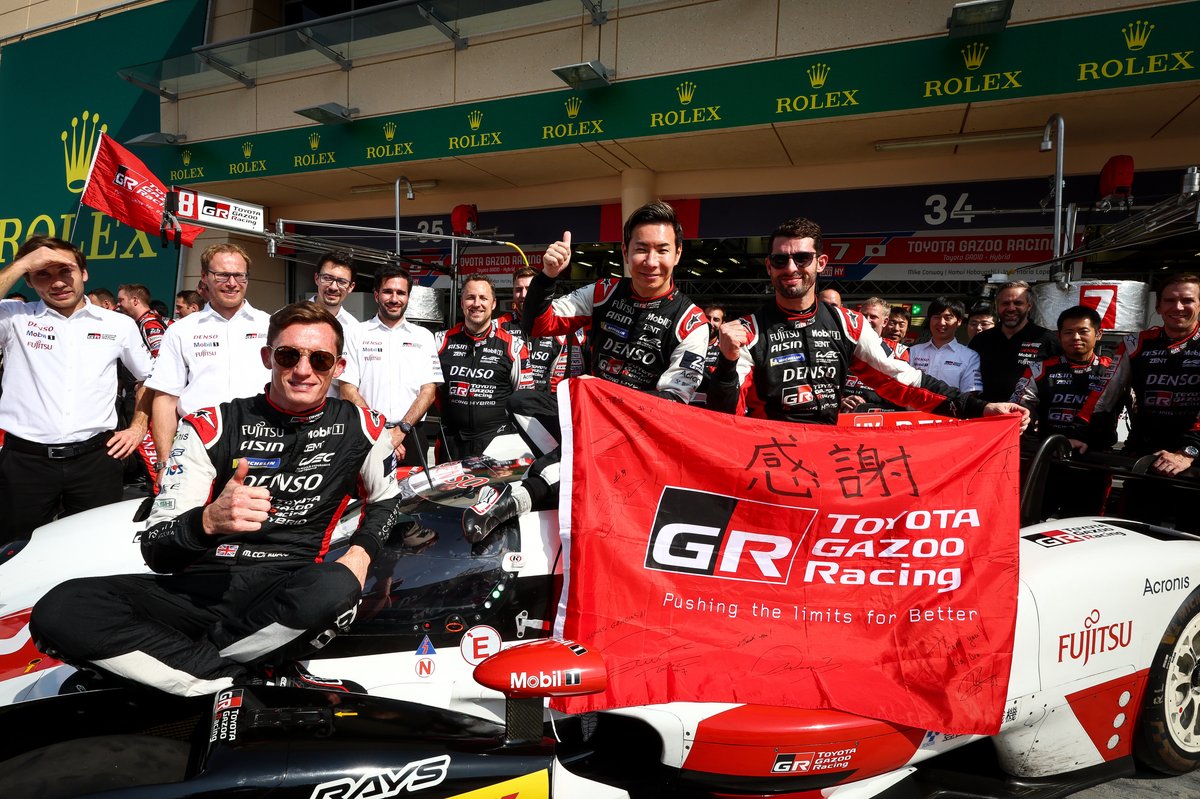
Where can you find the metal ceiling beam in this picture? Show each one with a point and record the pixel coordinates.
(310, 41)
(460, 43)
(226, 69)
(596, 9)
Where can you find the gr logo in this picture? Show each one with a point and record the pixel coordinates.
(713, 535)
(788, 763)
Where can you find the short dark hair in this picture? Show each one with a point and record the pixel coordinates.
(655, 213)
(190, 297)
(982, 309)
(337, 258)
(1167, 282)
(901, 311)
(389, 271)
(35, 242)
(160, 308)
(524, 271)
(798, 228)
(103, 294)
(942, 304)
(303, 313)
(716, 306)
(481, 279)
(1079, 312)
(136, 290)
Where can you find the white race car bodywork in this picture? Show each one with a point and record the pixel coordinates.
(1095, 600)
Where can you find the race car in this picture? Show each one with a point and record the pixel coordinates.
(440, 684)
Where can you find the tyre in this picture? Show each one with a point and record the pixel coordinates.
(1168, 736)
(87, 765)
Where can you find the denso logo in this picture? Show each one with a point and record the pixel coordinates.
(286, 482)
(555, 679)
(1172, 380)
(696, 532)
(471, 373)
(414, 776)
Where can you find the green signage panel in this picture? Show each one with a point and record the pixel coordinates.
(1136, 48)
(59, 91)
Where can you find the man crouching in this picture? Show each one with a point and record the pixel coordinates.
(239, 531)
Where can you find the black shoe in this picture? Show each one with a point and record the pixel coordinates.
(492, 508)
(294, 675)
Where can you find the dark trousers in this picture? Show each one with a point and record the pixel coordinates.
(34, 488)
(195, 632)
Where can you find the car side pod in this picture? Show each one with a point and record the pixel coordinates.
(528, 673)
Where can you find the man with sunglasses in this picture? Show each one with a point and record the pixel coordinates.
(212, 356)
(790, 359)
(239, 536)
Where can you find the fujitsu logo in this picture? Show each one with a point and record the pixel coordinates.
(1094, 639)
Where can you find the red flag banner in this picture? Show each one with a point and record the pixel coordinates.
(121, 186)
(713, 558)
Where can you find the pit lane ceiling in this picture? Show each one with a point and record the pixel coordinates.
(1158, 125)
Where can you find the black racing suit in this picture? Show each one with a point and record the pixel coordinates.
(552, 359)
(1164, 376)
(652, 344)
(795, 365)
(1004, 359)
(1054, 391)
(481, 373)
(223, 603)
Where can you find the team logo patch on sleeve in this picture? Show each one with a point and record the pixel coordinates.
(207, 424)
(373, 423)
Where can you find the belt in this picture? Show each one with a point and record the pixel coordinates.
(57, 451)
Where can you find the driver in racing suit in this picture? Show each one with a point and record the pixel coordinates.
(789, 360)
(239, 532)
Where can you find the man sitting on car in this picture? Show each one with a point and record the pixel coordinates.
(240, 530)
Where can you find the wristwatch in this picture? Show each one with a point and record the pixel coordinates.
(1190, 451)
(160, 466)
(406, 428)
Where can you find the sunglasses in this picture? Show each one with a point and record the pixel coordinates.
(779, 260)
(320, 360)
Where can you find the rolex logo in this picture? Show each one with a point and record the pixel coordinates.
(314, 140)
(389, 130)
(973, 54)
(686, 91)
(186, 155)
(475, 119)
(817, 75)
(1137, 34)
(573, 104)
(247, 148)
(77, 154)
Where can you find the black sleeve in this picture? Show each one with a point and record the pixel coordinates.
(537, 301)
(723, 388)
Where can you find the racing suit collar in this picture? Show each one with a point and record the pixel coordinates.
(639, 298)
(308, 415)
(804, 315)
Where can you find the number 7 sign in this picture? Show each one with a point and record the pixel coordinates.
(1103, 300)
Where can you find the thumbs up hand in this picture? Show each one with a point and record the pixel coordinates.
(239, 508)
(558, 256)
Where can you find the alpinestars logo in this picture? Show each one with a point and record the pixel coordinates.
(415, 776)
(713, 535)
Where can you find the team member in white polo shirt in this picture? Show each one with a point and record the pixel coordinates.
(212, 356)
(392, 364)
(335, 280)
(942, 356)
(58, 407)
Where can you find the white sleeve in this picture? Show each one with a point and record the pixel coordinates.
(134, 353)
(170, 372)
(353, 371)
(970, 379)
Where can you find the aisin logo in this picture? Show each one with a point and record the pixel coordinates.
(78, 153)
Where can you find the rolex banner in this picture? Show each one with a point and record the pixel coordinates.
(121, 186)
(715, 558)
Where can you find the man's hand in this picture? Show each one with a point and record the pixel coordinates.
(850, 402)
(239, 508)
(1078, 446)
(557, 256)
(124, 442)
(356, 560)
(734, 336)
(398, 442)
(1171, 463)
(997, 408)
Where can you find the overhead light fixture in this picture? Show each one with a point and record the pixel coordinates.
(959, 138)
(379, 188)
(585, 75)
(979, 17)
(328, 113)
(157, 139)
